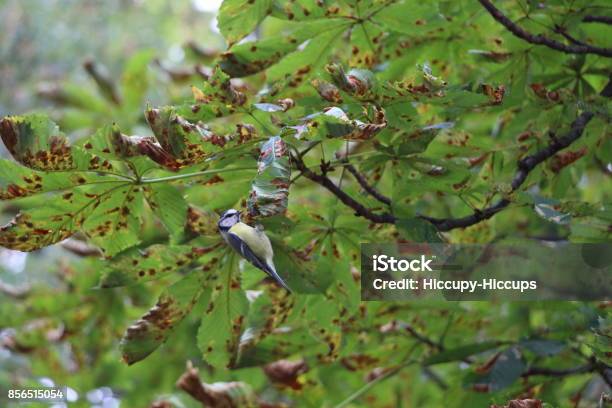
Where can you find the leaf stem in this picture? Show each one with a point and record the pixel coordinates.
(190, 175)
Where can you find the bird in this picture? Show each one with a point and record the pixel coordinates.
(251, 243)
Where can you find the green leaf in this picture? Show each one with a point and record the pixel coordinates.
(154, 262)
(304, 62)
(114, 221)
(272, 348)
(224, 316)
(302, 10)
(266, 313)
(18, 181)
(409, 17)
(182, 143)
(48, 224)
(36, 142)
(238, 18)
(72, 95)
(418, 230)
(169, 206)
(135, 79)
(153, 328)
(419, 140)
(254, 56)
(270, 190)
(602, 344)
(215, 98)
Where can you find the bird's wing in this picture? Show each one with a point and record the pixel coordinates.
(243, 249)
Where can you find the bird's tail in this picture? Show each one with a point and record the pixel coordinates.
(271, 270)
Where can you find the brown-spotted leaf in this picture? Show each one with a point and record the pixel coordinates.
(109, 142)
(357, 82)
(35, 229)
(224, 316)
(61, 216)
(154, 262)
(238, 18)
(154, 327)
(18, 181)
(286, 372)
(220, 394)
(327, 91)
(201, 222)
(302, 10)
(36, 142)
(108, 213)
(169, 205)
(180, 143)
(184, 142)
(270, 190)
(250, 57)
(418, 140)
(114, 221)
(266, 313)
(334, 123)
(214, 98)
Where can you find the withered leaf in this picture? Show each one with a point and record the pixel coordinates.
(270, 190)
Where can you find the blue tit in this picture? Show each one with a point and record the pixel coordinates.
(251, 243)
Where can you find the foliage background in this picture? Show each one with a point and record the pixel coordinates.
(57, 324)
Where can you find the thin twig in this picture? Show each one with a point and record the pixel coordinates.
(323, 180)
(593, 367)
(562, 31)
(597, 19)
(539, 39)
(525, 166)
(366, 186)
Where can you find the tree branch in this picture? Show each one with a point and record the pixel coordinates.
(597, 19)
(539, 39)
(525, 166)
(366, 186)
(323, 180)
(562, 31)
(592, 367)
(552, 372)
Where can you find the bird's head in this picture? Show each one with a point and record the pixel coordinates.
(228, 219)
